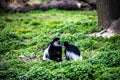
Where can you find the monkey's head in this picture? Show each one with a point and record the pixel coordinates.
(56, 42)
(66, 44)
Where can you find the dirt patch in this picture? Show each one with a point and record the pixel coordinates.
(32, 59)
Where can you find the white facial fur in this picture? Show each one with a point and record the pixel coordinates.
(56, 43)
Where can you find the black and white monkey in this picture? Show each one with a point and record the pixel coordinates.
(53, 51)
(72, 52)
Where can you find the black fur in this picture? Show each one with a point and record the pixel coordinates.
(71, 48)
(55, 52)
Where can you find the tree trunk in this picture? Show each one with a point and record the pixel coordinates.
(115, 26)
(108, 13)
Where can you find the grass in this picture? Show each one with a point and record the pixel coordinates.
(29, 33)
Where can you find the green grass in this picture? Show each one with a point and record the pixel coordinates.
(29, 33)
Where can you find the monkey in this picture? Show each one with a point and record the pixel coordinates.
(53, 51)
(71, 52)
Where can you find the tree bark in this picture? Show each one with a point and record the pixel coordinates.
(92, 3)
(115, 26)
(4, 5)
(108, 12)
(23, 6)
(10, 5)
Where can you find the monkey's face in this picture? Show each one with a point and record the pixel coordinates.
(57, 43)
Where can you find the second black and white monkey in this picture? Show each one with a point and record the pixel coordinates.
(53, 51)
(72, 52)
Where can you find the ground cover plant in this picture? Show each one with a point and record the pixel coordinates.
(29, 33)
